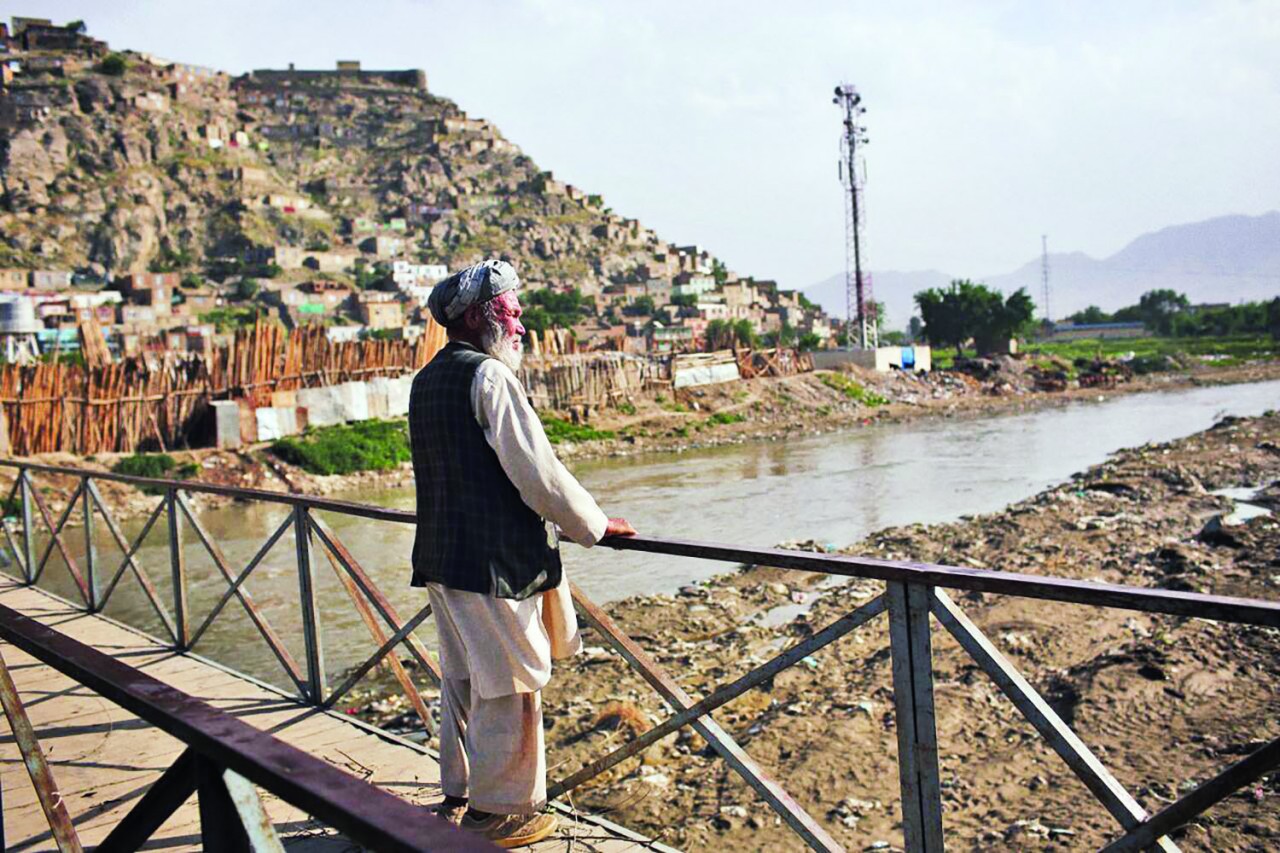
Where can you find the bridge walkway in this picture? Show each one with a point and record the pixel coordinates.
(104, 759)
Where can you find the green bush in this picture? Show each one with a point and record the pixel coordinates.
(154, 465)
(347, 448)
(851, 389)
(627, 408)
(559, 430)
(725, 418)
(114, 65)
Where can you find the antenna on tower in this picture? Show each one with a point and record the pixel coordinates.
(1044, 276)
(860, 309)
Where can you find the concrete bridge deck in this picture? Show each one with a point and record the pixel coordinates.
(104, 759)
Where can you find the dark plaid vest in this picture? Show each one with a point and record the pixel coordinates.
(475, 533)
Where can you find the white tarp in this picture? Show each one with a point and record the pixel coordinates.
(685, 377)
(275, 422)
(322, 408)
(226, 423)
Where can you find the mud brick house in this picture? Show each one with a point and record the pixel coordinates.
(50, 279)
(14, 279)
(380, 311)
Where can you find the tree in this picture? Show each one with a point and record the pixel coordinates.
(685, 300)
(719, 272)
(643, 306)
(114, 65)
(1157, 308)
(547, 308)
(809, 342)
(1092, 314)
(724, 334)
(966, 310)
(247, 288)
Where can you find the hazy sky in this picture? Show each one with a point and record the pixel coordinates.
(990, 123)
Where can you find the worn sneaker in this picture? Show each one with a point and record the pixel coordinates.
(512, 830)
(449, 811)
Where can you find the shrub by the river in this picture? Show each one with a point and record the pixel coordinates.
(347, 448)
(158, 466)
(851, 389)
(561, 430)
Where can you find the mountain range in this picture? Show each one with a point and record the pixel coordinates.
(1225, 259)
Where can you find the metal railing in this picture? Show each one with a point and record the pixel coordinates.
(913, 593)
(224, 759)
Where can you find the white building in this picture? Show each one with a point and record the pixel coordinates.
(406, 274)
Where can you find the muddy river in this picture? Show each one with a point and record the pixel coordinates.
(832, 488)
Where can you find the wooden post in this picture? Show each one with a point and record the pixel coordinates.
(913, 699)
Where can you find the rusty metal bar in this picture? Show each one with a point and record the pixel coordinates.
(19, 558)
(311, 632)
(165, 796)
(912, 667)
(90, 550)
(1105, 788)
(268, 634)
(253, 817)
(144, 580)
(178, 572)
(220, 828)
(1250, 611)
(56, 532)
(55, 809)
(1200, 799)
(28, 526)
(376, 597)
(240, 578)
(723, 695)
(387, 645)
(370, 816)
(779, 800)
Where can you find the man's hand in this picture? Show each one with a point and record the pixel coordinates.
(619, 527)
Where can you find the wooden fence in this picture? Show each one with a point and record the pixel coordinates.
(163, 401)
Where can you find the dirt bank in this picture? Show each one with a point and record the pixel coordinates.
(765, 409)
(1164, 702)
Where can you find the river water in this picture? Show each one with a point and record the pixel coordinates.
(834, 488)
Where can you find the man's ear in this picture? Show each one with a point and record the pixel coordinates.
(473, 316)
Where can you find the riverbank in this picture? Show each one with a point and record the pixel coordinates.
(756, 410)
(1164, 702)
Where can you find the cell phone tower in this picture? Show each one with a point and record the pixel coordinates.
(1044, 275)
(859, 306)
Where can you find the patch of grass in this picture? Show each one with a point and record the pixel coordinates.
(347, 448)
(1224, 351)
(720, 418)
(627, 408)
(823, 411)
(681, 431)
(559, 430)
(157, 466)
(677, 408)
(851, 389)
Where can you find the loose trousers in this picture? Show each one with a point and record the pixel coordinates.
(492, 749)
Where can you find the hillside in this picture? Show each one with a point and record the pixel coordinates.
(1225, 259)
(165, 166)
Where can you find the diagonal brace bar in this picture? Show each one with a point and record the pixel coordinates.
(842, 626)
(779, 800)
(396, 639)
(56, 531)
(1201, 798)
(174, 787)
(1105, 787)
(144, 580)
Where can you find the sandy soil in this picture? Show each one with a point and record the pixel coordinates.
(1165, 702)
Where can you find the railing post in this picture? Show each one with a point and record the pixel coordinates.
(912, 666)
(220, 828)
(310, 613)
(90, 561)
(28, 527)
(181, 624)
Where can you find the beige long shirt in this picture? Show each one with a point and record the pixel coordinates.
(505, 646)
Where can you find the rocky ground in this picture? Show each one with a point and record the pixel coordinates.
(1165, 702)
(764, 409)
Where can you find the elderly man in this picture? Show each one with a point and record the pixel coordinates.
(491, 493)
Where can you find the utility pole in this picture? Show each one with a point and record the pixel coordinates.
(859, 306)
(1044, 276)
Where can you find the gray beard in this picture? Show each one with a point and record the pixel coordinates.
(497, 345)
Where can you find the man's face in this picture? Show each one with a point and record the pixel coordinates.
(507, 311)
